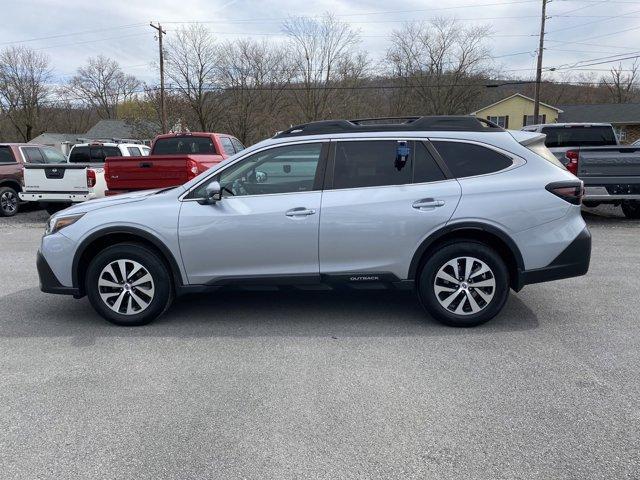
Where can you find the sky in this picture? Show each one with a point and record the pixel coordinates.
(578, 31)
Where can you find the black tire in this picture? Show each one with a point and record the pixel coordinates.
(52, 208)
(631, 209)
(591, 204)
(9, 202)
(149, 260)
(448, 252)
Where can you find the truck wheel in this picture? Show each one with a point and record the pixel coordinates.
(129, 284)
(8, 202)
(631, 209)
(52, 208)
(463, 284)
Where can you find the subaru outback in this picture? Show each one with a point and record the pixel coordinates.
(455, 208)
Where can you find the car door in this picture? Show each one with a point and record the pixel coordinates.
(265, 227)
(381, 200)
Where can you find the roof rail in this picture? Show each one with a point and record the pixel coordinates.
(458, 123)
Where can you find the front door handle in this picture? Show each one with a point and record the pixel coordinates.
(300, 212)
(427, 203)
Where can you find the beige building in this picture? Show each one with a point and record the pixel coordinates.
(516, 111)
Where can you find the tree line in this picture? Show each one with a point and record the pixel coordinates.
(252, 88)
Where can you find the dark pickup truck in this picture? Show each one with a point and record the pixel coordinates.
(591, 151)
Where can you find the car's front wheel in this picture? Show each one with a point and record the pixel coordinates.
(463, 284)
(129, 284)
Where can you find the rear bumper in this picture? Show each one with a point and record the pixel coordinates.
(55, 197)
(573, 261)
(611, 189)
(48, 281)
(601, 194)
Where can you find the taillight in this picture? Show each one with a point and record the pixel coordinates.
(192, 169)
(571, 192)
(573, 156)
(91, 178)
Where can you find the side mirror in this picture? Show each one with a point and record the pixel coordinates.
(212, 194)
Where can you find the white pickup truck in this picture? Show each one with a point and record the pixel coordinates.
(81, 178)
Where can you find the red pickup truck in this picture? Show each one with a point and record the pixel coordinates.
(174, 159)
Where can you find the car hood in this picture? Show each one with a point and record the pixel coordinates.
(98, 203)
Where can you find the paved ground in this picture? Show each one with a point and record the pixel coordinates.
(324, 385)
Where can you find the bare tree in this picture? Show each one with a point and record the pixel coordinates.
(622, 86)
(439, 65)
(103, 85)
(24, 86)
(192, 57)
(255, 76)
(323, 52)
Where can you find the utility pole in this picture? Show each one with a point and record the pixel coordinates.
(536, 103)
(163, 112)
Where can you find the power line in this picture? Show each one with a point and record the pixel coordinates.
(132, 25)
(594, 21)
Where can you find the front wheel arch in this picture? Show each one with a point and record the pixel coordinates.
(102, 239)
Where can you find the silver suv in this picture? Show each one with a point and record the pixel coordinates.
(455, 208)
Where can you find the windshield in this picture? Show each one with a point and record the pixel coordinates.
(187, 144)
(579, 136)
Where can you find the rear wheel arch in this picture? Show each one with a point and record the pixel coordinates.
(478, 232)
(98, 241)
(11, 183)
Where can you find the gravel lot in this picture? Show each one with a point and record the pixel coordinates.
(324, 385)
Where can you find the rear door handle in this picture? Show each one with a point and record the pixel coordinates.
(300, 212)
(427, 203)
(146, 165)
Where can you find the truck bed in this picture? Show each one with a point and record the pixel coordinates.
(610, 173)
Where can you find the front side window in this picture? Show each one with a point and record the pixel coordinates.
(52, 155)
(469, 159)
(371, 163)
(33, 154)
(285, 169)
(227, 146)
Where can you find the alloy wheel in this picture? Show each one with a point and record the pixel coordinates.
(464, 285)
(126, 287)
(9, 202)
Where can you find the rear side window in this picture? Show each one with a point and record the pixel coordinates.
(134, 151)
(6, 156)
(227, 146)
(425, 168)
(33, 154)
(579, 136)
(98, 154)
(468, 159)
(369, 164)
(186, 144)
(79, 155)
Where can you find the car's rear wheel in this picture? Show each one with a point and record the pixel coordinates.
(8, 202)
(631, 209)
(129, 284)
(463, 284)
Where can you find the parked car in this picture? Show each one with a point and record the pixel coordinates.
(13, 159)
(175, 158)
(79, 179)
(591, 151)
(454, 207)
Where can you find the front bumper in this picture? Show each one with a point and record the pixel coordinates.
(573, 261)
(48, 280)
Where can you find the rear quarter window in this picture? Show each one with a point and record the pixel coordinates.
(468, 159)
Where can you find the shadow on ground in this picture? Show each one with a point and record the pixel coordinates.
(30, 313)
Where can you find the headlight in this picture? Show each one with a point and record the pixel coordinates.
(58, 223)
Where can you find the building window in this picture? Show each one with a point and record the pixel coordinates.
(501, 121)
(531, 120)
